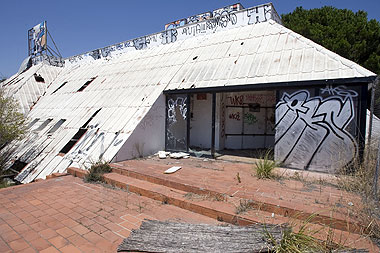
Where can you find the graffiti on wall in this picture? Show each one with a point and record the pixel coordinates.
(311, 132)
(176, 131)
(205, 23)
(250, 118)
(250, 98)
(258, 15)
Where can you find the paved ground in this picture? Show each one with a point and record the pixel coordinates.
(67, 215)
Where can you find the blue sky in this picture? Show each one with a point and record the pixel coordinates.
(80, 26)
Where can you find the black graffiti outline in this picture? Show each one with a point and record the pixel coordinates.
(330, 127)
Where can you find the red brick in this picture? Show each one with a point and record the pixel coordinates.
(65, 232)
(50, 250)
(70, 249)
(48, 233)
(98, 228)
(100, 220)
(21, 228)
(38, 226)
(80, 229)
(30, 220)
(111, 236)
(77, 240)
(14, 222)
(10, 236)
(4, 247)
(69, 222)
(18, 244)
(35, 202)
(89, 247)
(124, 233)
(86, 221)
(55, 225)
(58, 241)
(113, 227)
(30, 235)
(129, 225)
(93, 237)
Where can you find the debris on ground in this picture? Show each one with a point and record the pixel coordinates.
(172, 169)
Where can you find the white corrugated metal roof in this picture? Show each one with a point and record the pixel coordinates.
(267, 53)
(24, 87)
(126, 86)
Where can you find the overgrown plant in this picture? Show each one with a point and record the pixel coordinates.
(97, 170)
(265, 165)
(298, 242)
(244, 206)
(359, 178)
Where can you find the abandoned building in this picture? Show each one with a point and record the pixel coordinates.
(230, 79)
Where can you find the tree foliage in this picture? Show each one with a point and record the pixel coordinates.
(12, 126)
(344, 32)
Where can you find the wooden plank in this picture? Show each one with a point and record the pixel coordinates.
(158, 236)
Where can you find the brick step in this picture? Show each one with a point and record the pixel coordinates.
(332, 219)
(222, 210)
(210, 206)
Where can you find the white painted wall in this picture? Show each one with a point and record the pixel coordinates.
(240, 120)
(200, 123)
(149, 135)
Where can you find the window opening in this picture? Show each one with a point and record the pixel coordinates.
(44, 124)
(38, 78)
(78, 135)
(56, 126)
(86, 84)
(33, 122)
(17, 166)
(59, 87)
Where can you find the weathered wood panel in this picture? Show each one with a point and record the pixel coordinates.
(158, 236)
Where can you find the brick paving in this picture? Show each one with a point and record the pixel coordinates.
(67, 215)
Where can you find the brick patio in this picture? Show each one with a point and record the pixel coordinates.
(67, 215)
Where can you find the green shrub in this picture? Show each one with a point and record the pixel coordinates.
(96, 171)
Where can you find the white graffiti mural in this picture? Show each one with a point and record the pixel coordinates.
(177, 122)
(311, 132)
(206, 23)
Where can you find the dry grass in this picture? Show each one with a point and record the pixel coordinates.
(359, 179)
(244, 206)
(96, 171)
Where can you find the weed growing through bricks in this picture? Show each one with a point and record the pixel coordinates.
(244, 206)
(265, 165)
(302, 238)
(96, 172)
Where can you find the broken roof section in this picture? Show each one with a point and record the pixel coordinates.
(98, 99)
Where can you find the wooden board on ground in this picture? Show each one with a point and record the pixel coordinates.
(158, 236)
